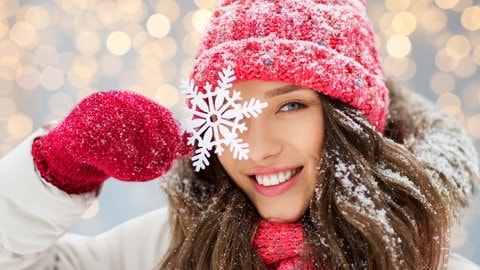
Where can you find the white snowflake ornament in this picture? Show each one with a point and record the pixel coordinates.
(215, 118)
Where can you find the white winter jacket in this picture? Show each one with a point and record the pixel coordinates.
(35, 218)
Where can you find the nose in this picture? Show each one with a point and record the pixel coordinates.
(263, 142)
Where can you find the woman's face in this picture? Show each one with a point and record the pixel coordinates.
(285, 143)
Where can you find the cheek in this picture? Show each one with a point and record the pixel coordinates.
(230, 165)
(227, 161)
(306, 137)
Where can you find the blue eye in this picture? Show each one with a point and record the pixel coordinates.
(291, 106)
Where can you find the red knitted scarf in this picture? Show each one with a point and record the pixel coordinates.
(279, 245)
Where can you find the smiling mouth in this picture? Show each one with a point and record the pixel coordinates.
(274, 179)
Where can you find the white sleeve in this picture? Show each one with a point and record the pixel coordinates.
(35, 216)
(137, 244)
(34, 212)
(456, 261)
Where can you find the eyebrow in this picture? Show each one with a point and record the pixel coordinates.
(281, 90)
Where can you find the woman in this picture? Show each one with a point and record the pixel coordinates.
(300, 159)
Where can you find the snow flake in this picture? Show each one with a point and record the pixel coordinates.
(215, 118)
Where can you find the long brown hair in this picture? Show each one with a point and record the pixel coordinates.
(374, 207)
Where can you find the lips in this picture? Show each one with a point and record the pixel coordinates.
(275, 178)
(275, 182)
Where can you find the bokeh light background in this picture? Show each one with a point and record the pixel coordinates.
(55, 52)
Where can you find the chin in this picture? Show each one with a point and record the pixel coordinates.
(282, 218)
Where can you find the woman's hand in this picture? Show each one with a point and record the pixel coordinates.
(110, 134)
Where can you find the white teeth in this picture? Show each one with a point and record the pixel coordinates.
(274, 179)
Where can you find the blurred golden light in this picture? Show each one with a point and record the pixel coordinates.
(82, 71)
(52, 78)
(111, 65)
(468, 96)
(61, 103)
(6, 87)
(84, 92)
(3, 30)
(462, 5)
(118, 43)
(450, 103)
(23, 34)
(473, 126)
(84, 4)
(138, 15)
(438, 40)
(147, 50)
(28, 78)
(19, 126)
(52, 37)
(446, 4)
(8, 108)
(187, 22)
(444, 62)
(186, 68)
(139, 40)
(167, 95)
(8, 72)
(5, 148)
(147, 59)
(69, 7)
(65, 60)
(398, 46)
(458, 47)
(169, 8)
(400, 68)
(385, 23)
(150, 70)
(9, 53)
(404, 23)
(442, 82)
(129, 6)
(433, 20)
(88, 43)
(108, 12)
(46, 55)
(465, 68)
(9, 8)
(200, 19)
(86, 66)
(37, 17)
(190, 43)
(395, 5)
(165, 48)
(168, 70)
(470, 18)
(476, 55)
(27, 58)
(205, 4)
(85, 22)
(410, 71)
(133, 29)
(130, 79)
(158, 25)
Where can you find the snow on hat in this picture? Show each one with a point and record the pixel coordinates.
(324, 45)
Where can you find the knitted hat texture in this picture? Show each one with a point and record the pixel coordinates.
(324, 45)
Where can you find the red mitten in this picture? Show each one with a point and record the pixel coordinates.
(116, 133)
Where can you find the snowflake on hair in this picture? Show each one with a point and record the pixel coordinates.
(215, 118)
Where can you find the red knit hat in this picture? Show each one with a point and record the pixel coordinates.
(325, 45)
